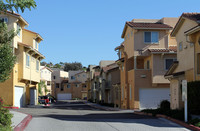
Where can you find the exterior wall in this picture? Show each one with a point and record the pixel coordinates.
(129, 42)
(30, 73)
(81, 77)
(184, 56)
(197, 51)
(64, 74)
(139, 41)
(46, 76)
(158, 70)
(28, 38)
(72, 74)
(104, 63)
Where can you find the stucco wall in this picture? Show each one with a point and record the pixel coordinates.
(184, 56)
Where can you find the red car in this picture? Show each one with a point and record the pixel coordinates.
(43, 100)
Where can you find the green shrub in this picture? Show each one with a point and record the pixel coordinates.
(5, 118)
(194, 97)
(165, 104)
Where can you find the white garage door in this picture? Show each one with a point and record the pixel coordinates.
(18, 96)
(151, 97)
(66, 96)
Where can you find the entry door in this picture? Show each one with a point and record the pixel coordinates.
(18, 96)
(33, 97)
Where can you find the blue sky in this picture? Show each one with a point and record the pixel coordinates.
(87, 31)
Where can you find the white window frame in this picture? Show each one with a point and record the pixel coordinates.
(122, 93)
(180, 43)
(36, 44)
(37, 65)
(27, 60)
(18, 28)
(151, 37)
(5, 19)
(130, 92)
(174, 59)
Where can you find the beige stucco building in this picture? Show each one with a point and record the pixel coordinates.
(145, 55)
(187, 66)
(46, 76)
(22, 87)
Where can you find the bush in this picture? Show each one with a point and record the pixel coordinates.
(5, 118)
(193, 97)
(165, 104)
(195, 122)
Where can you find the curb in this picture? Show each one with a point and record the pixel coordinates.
(191, 127)
(22, 125)
(102, 108)
(11, 107)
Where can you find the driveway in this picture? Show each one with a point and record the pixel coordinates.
(77, 116)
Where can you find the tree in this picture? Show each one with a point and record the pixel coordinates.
(41, 85)
(73, 66)
(17, 5)
(7, 58)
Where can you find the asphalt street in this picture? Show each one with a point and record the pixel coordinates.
(77, 116)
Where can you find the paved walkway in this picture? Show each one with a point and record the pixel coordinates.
(17, 118)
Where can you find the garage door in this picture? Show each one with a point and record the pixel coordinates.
(66, 96)
(151, 97)
(18, 96)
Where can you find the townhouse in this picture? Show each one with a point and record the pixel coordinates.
(187, 66)
(145, 55)
(22, 87)
(59, 78)
(90, 74)
(46, 77)
(96, 93)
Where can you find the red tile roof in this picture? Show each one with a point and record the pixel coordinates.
(148, 25)
(192, 16)
(163, 50)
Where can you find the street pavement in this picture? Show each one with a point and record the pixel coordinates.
(77, 116)
(17, 118)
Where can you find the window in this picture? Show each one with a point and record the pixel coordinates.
(5, 19)
(48, 83)
(180, 46)
(27, 60)
(151, 37)
(130, 96)
(73, 77)
(148, 64)
(77, 85)
(18, 29)
(122, 93)
(37, 65)
(57, 85)
(54, 77)
(168, 63)
(36, 44)
(198, 63)
(68, 85)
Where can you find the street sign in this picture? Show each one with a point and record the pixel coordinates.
(184, 90)
(184, 96)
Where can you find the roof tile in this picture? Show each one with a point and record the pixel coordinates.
(148, 25)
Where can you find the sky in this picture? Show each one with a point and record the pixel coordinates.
(87, 31)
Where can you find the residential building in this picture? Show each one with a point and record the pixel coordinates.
(187, 66)
(46, 76)
(22, 87)
(90, 74)
(96, 94)
(59, 77)
(109, 88)
(144, 57)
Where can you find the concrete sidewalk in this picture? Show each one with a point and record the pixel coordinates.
(20, 120)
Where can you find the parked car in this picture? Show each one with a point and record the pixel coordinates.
(43, 100)
(51, 99)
